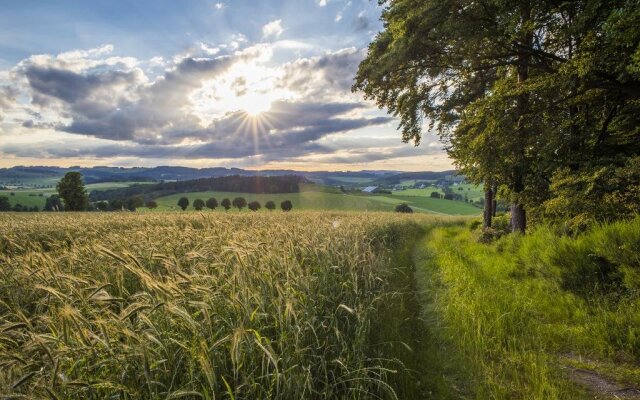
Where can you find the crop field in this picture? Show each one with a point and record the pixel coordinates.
(197, 305)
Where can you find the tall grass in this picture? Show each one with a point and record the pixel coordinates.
(523, 312)
(166, 306)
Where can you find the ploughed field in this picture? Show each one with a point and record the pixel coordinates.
(196, 305)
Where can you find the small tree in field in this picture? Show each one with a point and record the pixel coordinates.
(435, 195)
(239, 203)
(270, 205)
(212, 203)
(134, 202)
(198, 204)
(403, 208)
(226, 203)
(183, 203)
(72, 192)
(286, 205)
(151, 204)
(254, 206)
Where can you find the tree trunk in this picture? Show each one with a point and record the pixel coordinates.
(518, 215)
(518, 218)
(488, 206)
(494, 206)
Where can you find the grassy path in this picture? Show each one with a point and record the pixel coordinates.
(407, 330)
(519, 319)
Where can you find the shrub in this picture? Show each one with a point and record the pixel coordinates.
(54, 203)
(435, 195)
(151, 204)
(597, 194)
(500, 226)
(102, 206)
(403, 208)
(270, 205)
(254, 206)
(286, 205)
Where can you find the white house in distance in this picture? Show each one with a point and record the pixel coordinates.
(369, 189)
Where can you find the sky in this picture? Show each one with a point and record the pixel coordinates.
(257, 84)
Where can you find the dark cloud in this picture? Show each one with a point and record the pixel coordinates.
(323, 76)
(72, 87)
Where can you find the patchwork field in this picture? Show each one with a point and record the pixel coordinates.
(315, 198)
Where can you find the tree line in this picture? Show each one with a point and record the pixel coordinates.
(539, 101)
(72, 196)
(238, 202)
(232, 183)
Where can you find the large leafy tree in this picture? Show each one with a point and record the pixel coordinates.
(516, 89)
(72, 192)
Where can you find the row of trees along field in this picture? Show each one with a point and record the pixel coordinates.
(238, 202)
(537, 100)
(72, 196)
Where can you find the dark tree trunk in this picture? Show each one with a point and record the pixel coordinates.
(488, 206)
(518, 218)
(494, 205)
(518, 214)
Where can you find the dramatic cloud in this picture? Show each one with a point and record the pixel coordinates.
(270, 90)
(323, 77)
(198, 108)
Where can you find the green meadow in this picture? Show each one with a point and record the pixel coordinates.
(312, 197)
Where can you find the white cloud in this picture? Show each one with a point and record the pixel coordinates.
(322, 3)
(273, 28)
(219, 6)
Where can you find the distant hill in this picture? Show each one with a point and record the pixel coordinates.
(48, 176)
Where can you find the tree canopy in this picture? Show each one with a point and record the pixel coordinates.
(72, 192)
(212, 203)
(517, 90)
(226, 204)
(183, 203)
(239, 203)
(198, 204)
(286, 205)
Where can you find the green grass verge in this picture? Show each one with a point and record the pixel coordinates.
(519, 316)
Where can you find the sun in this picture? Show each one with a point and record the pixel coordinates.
(255, 104)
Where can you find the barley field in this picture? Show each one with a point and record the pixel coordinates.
(211, 306)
